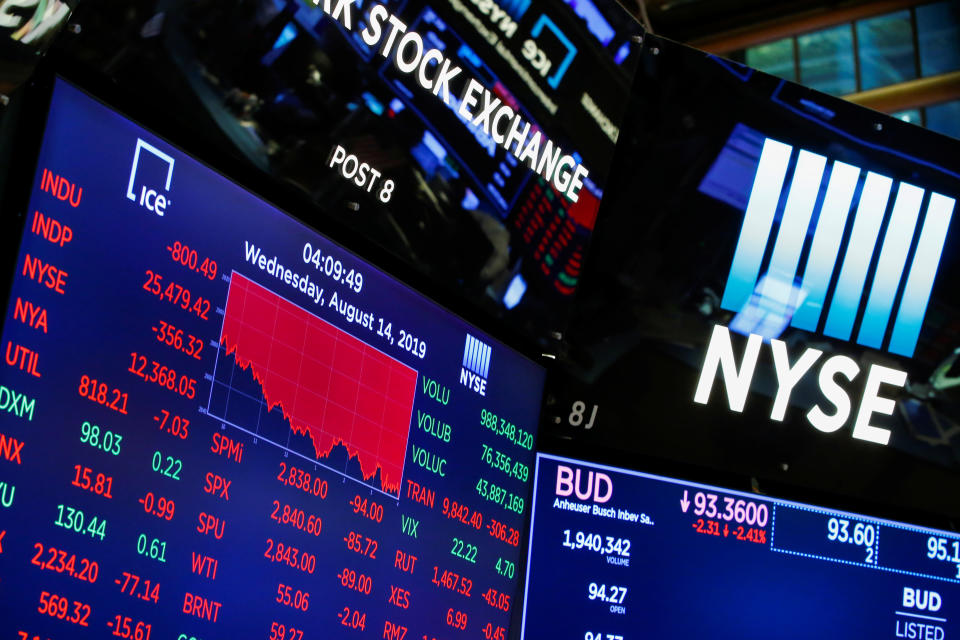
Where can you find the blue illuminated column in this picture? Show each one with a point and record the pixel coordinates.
(863, 240)
(793, 228)
(916, 294)
(826, 244)
(475, 355)
(468, 351)
(757, 222)
(893, 257)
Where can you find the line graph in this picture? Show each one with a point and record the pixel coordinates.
(288, 376)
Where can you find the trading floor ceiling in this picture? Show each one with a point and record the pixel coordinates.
(695, 21)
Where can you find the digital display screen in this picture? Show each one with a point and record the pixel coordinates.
(781, 236)
(216, 423)
(617, 554)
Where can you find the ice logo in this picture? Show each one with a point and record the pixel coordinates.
(149, 197)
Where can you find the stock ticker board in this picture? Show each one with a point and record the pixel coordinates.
(217, 423)
(617, 554)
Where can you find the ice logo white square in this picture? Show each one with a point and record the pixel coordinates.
(149, 197)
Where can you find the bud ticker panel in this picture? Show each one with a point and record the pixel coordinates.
(618, 555)
(216, 423)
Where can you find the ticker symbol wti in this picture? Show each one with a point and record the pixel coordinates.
(138, 189)
(594, 486)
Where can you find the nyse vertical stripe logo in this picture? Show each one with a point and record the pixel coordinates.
(476, 357)
(843, 303)
(476, 365)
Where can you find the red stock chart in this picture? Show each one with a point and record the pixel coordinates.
(330, 386)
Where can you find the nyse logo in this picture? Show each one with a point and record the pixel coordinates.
(903, 234)
(737, 379)
(149, 197)
(476, 365)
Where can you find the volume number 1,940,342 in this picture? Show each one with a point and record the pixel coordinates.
(605, 545)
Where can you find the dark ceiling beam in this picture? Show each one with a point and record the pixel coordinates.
(911, 94)
(795, 24)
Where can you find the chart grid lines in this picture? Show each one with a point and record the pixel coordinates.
(330, 386)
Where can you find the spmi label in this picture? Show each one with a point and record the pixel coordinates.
(720, 358)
